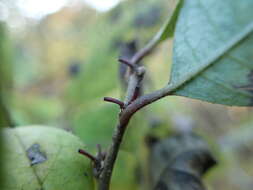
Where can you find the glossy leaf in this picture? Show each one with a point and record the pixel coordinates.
(44, 158)
(212, 58)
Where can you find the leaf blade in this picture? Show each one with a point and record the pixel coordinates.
(168, 29)
(204, 61)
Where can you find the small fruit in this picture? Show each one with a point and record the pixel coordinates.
(38, 157)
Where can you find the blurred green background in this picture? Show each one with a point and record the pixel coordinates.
(56, 68)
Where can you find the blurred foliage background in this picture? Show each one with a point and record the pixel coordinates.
(56, 70)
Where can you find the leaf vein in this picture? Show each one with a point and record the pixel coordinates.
(239, 92)
(211, 60)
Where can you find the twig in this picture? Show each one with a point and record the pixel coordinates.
(97, 161)
(145, 51)
(125, 116)
(129, 64)
(131, 105)
(88, 155)
(134, 85)
(115, 101)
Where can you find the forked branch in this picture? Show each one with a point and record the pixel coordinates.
(132, 104)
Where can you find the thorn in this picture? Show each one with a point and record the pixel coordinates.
(128, 63)
(115, 101)
(88, 155)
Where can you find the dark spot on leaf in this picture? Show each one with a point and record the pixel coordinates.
(35, 155)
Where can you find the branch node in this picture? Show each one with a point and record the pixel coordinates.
(128, 63)
(115, 101)
(128, 109)
(97, 161)
(141, 71)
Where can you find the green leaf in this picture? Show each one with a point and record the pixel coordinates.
(213, 56)
(168, 28)
(38, 157)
